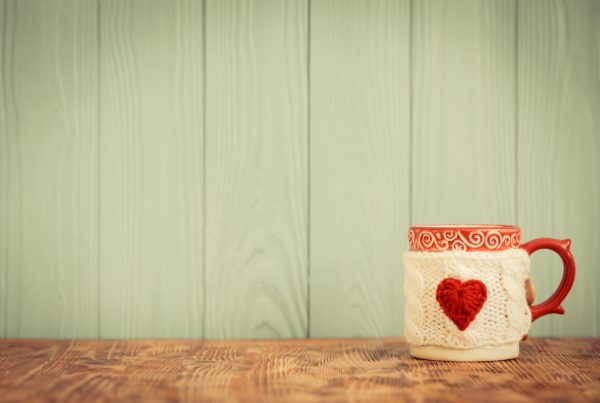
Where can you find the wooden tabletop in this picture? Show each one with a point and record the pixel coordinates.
(288, 370)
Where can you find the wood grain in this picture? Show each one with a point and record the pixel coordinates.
(7, 225)
(328, 132)
(359, 175)
(256, 169)
(152, 168)
(290, 370)
(49, 197)
(559, 146)
(463, 155)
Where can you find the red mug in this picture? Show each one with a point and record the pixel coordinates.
(468, 293)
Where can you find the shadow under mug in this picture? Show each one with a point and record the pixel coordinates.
(468, 293)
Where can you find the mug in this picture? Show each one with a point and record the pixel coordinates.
(468, 293)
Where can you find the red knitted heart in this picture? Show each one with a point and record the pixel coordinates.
(461, 301)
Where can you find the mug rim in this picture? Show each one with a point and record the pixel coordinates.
(464, 237)
(466, 226)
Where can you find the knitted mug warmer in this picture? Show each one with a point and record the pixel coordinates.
(464, 300)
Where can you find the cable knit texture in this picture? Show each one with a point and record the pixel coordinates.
(464, 299)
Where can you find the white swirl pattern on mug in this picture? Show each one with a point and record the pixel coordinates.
(454, 239)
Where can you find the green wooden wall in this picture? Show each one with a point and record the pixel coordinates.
(229, 168)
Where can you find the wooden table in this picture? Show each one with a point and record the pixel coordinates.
(289, 370)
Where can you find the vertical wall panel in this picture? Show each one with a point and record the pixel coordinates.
(464, 112)
(559, 151)
(360, 93)
(8, 195)
(256, 189)
(49, 210)
(151, 168)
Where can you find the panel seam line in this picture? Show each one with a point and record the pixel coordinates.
(410, 112)
(516, 98)
(308, 168)
(99, 165)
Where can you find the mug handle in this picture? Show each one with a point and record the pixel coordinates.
(562, 247)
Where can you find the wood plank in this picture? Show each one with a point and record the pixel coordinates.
(290, 370)
(464, 112)
(559, 145)
(152, 168)
(360, 94)
(256, 177)
(49, 226)
(7, 164)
